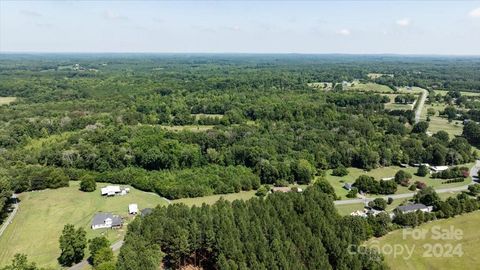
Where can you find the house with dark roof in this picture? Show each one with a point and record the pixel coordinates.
(414, 208)
(106, 220)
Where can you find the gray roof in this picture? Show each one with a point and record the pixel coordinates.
(412, 207)
(347, 185)
(99, 219)
(146, 211)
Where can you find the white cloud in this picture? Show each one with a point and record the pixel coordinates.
(112, 15)
(234, 28)
(475, 13)
(344, 32)
(403, 22)
(30, 13)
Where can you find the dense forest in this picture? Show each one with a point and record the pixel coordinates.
(284, 231)
(224, 122)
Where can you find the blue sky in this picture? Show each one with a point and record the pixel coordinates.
(403, 27)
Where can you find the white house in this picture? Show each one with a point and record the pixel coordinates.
(388, 178)
(438, 168)
(110, 190)
(106, 220)
(133, 209)
(414, 208)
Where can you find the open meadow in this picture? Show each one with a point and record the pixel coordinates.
(469, 246)
(36, 228)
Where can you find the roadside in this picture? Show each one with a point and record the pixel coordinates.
(421, 104)
(11, 216)
(81, 265)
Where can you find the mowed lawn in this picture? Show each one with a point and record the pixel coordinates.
(470, 244)
(385, 172)
(36, 228)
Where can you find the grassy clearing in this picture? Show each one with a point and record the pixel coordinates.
(470, 245)
(394, 106)
(370, 87)
(444, 93)
(203, 115)
(378, 75)
(437, 123)
(7, 100)
(384, 172)
(192, 128)
(244, 195)
(42, 214)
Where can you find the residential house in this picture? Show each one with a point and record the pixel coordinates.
(438, 168)
(414, 207)
(110, 190)
(106, 220)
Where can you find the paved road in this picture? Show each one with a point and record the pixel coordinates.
(418, 112)
(473, 172)
(83, 264)
(11, 216)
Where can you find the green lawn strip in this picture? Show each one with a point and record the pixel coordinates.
(467, 223)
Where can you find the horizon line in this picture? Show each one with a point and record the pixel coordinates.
(242, 53)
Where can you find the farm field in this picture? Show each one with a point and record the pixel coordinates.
(7, 100)
(384, 172)
(36, 228)
(467, 223)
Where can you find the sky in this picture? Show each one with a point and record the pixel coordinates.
(353, 27)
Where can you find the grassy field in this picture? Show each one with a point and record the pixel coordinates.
(444, 92)
(244, 195)
(42, 214)
(193, 128)
(384, 172)
(203, 115)
(470, 245)
(374, 87)
(394, 106)
(437, 123)
(7, 100)
(378, 75)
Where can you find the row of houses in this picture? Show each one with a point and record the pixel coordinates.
(405, 209)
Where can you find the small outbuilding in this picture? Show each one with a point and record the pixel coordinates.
(110, 190)
(347, 186)
(133, 209)
(146, 211)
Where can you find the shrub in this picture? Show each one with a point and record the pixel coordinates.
(340, 171)
(422, 171)
(87, 183)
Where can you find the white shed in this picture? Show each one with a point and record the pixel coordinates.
(133, 209)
